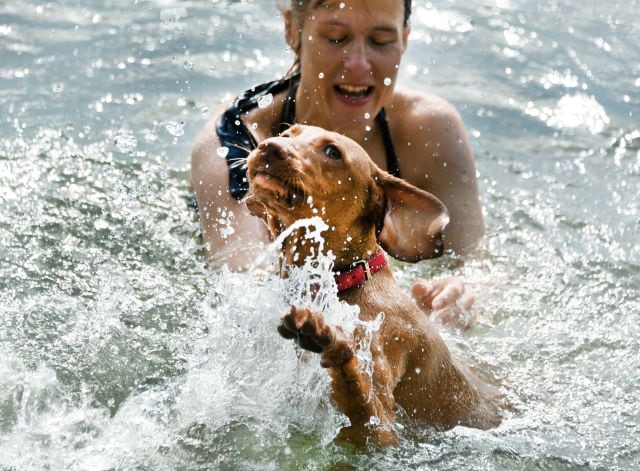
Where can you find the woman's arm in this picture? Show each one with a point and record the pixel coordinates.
(438, 159)
(455, 182)
(232, 235)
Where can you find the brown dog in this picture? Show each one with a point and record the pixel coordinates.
(308, 171)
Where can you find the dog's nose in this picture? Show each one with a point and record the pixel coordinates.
(270, 148)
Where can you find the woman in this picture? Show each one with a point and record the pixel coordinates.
(347, 58)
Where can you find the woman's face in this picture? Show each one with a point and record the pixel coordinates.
(350, 51)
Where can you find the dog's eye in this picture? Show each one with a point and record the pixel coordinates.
(333, 152)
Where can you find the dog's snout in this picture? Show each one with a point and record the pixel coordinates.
(271, 148)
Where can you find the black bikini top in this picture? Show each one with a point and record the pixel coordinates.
(239, 142)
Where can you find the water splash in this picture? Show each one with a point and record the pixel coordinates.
(106, 311)
(313, 286)
(125, 141)
(174, 128)
(443, 20)
(573, 111)
(173, 14)
(222, 151)
(265, 100)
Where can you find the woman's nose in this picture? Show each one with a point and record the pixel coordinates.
(356, 58)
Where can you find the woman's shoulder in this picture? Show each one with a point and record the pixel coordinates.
(427, 125)
(411, 108)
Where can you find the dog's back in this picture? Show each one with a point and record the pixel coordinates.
(435, 388)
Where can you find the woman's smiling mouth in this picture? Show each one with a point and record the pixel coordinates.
(354, 94)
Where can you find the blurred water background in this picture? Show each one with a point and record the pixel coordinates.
(120, 350)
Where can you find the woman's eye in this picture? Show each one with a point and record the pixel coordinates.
(336, 40)
(333, 152)
(380, 42)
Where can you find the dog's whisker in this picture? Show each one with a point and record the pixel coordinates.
(237, 162)
(243, 148)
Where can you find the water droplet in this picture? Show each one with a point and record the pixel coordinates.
(367, 116)
(174, 128)
(367, 128)
(173, 14)
(126, 141)
(387, 81)
(222, 152)
(321, 75)
(373, 420)
(204, 110)
(254, 125)
(265, 100)
(100, 224)
(188, 65)
(342, 5)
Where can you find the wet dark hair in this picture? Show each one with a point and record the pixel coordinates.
(300, 7)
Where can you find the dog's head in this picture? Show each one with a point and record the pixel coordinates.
(307, 171)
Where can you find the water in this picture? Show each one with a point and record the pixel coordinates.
(120, 350)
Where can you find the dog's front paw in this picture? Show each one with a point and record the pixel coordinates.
(310, 332)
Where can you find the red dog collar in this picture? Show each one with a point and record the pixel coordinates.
(360, 272)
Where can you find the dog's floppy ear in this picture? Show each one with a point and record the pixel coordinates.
(413, 221)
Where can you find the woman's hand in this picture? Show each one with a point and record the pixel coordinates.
(448, 301)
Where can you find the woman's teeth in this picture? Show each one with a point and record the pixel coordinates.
(353, 91)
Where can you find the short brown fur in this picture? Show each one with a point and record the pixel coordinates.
(308, 171)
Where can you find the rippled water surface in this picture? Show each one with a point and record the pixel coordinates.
(120, 350)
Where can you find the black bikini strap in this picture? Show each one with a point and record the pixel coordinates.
(392, 159)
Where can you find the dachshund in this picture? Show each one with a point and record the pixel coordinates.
(307, 171)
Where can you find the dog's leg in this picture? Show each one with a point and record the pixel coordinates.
(367, 401)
